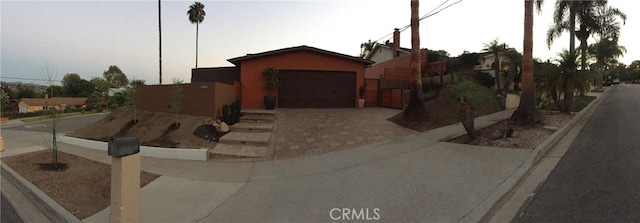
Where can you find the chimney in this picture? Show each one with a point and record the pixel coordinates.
(46, 96)
(396, 42)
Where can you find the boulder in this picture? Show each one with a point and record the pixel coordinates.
(223, 127)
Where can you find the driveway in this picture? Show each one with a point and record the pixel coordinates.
(302, 132)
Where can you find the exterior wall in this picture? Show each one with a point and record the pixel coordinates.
(382, 54)
(251, 72)
(199, 99)
(227, 75)
(24, 108)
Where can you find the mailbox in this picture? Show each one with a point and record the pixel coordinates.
(125, 146)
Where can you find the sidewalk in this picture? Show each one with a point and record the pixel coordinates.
(412, 178)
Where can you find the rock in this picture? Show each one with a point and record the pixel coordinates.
(208, 121)
(224, 127)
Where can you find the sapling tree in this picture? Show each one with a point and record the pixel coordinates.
(177, 96)
(468, 96)
(49, 75)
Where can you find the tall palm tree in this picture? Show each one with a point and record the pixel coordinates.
(567, 61)
(159, 44)
(527, 113)
(563, 22)
(596, 18)
(604, 51)
(415, 109)
(196, 15)
(494, 47)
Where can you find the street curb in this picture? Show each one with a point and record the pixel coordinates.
(484, 209)
(48, 206)
(148, 151)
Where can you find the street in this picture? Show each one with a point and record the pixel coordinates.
(598, 179)
(63, 125)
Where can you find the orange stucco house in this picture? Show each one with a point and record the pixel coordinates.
(309, 78)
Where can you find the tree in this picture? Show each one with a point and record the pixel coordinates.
(196, 15)
(101, 93)
(366, 48)
(605, 51)
(176, 102)
(24, 92)
(159, 45)
(137, 82)
(115, 77)
(596, 18)
(465, 63)
(415, 110)
(567, 60)
(515, 63)
(49, 75)
(527, 113)
(548, 81)
(7, 90)
(4, 98)
(54, 90)
(495, 47)
(468, 95)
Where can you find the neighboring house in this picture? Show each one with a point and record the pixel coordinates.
(309, 78)
(388, 51)
(487, 61)
(113, 91)
(60, 103)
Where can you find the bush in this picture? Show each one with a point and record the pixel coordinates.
(484, 79)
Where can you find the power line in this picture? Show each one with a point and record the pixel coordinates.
(24, 78)
(429, 14)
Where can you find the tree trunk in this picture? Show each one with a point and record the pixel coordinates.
(496, 69)
(159, 44)
(197, 45)
(467, 115)
(527, 113)
(568, 95)
(511, 75)
(572, 27)
(415, 110)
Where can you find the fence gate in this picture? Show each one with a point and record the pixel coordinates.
(391, 98)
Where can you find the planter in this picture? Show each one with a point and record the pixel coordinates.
(361, 103)
(269, 102)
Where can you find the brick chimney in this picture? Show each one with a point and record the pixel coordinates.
(396, 42)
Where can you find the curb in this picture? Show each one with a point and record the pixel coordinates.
(482, 211)
(148, 151)
(48, 206)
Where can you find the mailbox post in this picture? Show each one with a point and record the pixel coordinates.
(125, 179)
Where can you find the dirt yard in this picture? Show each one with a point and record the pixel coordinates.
(153, 129)
(84, 188)
(528, 137)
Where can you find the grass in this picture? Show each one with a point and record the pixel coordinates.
(579, 103)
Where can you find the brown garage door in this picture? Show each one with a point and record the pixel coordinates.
(316, 89)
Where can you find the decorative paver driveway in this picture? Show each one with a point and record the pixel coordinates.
(313, 131)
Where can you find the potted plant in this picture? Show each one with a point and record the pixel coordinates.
(271, 82)
(361, 100)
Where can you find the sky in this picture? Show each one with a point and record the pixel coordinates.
(86, 37)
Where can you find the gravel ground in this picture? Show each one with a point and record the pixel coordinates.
(527, 137)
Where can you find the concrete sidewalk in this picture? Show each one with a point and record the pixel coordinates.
(413, 178)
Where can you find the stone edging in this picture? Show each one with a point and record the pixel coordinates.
(148, 151)
(45, 203)
(480, 212)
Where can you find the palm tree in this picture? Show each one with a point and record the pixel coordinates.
(548, 82)
(196, 15)
(604, 51)
(596, 18)
(159, 44)
(494, 47)
(567, 61)
(527, 113)
(366, 48)
(468, 96)
(415, 109)
(515, 63)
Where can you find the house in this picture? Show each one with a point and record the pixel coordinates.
(60, 103)
(309, 77)
(487, 60)
(387, 80)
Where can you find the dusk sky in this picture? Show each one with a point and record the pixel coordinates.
(86, 37)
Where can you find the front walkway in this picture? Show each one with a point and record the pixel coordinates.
(302, 132)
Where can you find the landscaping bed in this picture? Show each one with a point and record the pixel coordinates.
(526, 137)
(84, 188)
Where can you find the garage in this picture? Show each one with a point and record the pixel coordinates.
(317, 89)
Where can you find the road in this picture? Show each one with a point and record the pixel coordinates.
(598, 179)
(7, 212)
(63, 125)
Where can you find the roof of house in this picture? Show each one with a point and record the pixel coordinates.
(386, 46)
(55, 101)
(236, 61)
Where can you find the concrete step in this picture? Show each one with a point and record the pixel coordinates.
(239, 150)
(252, 127)
(258, 111)
(257, 117)
(248, 138)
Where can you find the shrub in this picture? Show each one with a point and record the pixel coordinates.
(484, 79)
